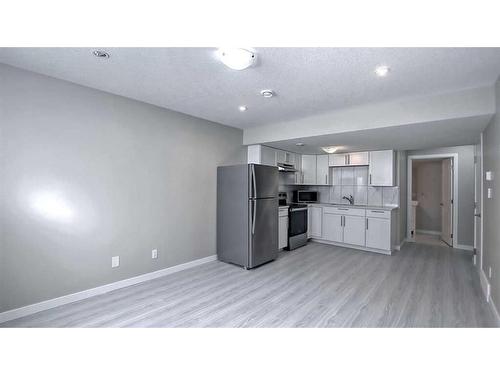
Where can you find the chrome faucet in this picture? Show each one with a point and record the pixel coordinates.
(350, 199)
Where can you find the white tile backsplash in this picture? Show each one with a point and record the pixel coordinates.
(360, 195)
(347, 176)
(336, 194)
(361, 176)
(390, 196)
(374, 196)
(336, 176)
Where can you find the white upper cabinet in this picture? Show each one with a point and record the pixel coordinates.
(322, 170)
(309, 169)
(381, 169)
(285, 157)
(359, 158)
(353, 158)
(337, 160)
(258, 154)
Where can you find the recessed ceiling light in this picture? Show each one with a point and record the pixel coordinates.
(267, 93)
(382, 70)
(237, 58)
(242, 108)
(300, 144)
(101, 54)
(329, 149)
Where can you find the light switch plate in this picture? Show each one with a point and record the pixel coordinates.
(489, 176)
(115, 261)
(154, 253)
(490, 193)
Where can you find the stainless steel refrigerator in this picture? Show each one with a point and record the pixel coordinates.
(247, 214)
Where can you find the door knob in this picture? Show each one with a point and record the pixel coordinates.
(477, 215)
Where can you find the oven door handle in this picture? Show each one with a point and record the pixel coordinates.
(298, 209)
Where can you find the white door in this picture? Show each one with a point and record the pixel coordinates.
(316, 222)
(378, 233)
(354, 230)
(381, 168)
(337, 160)
(309, 169)
(477, 207)
(332, 227)
(447, 201)
(358, 158)
(322, 170)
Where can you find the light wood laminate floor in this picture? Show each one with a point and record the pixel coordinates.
(313, 286)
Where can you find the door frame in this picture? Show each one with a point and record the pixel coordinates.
(409, 173)
(479, 249)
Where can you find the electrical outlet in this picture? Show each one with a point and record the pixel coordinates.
(154, 253)
(489, 272)
(489, 176)
(490, 193)
(115, 261)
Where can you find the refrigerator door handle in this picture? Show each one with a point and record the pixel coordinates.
(254, 182)
(254, 209)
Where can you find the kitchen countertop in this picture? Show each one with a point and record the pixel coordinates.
(366, 207)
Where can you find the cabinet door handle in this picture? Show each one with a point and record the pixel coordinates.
(348, 159)
(326, 179)
(345, 159)
(366, 223)
(370, 178)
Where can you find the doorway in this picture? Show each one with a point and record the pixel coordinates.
(432, 207)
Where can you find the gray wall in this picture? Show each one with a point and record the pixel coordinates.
(426, 189)
(465, 188)
(491, 209)
(126, 177)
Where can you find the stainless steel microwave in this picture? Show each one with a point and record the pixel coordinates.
(306, 196)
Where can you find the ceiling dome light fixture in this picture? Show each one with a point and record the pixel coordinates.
(329, 149)
(242, 108)
(267, 93)
(101, 54)
(382, 70)
(237, 58)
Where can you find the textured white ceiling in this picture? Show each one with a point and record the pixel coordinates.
(307, 80)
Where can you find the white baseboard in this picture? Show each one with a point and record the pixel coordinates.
(495, 311)
(63, 300)
(432, 232)
(486, 288)
(464, 247)
(398, 247)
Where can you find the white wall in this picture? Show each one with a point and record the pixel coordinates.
(491, 207)
(134, 176)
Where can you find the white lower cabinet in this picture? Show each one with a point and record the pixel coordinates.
(368, 229)
(316, 222)
(378, 233)
(354, 230)
(332, 227)
(283, 231)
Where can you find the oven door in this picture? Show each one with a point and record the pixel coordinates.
(297, 221)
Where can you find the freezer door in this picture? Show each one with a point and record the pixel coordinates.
(263, 181)
(263, 246)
